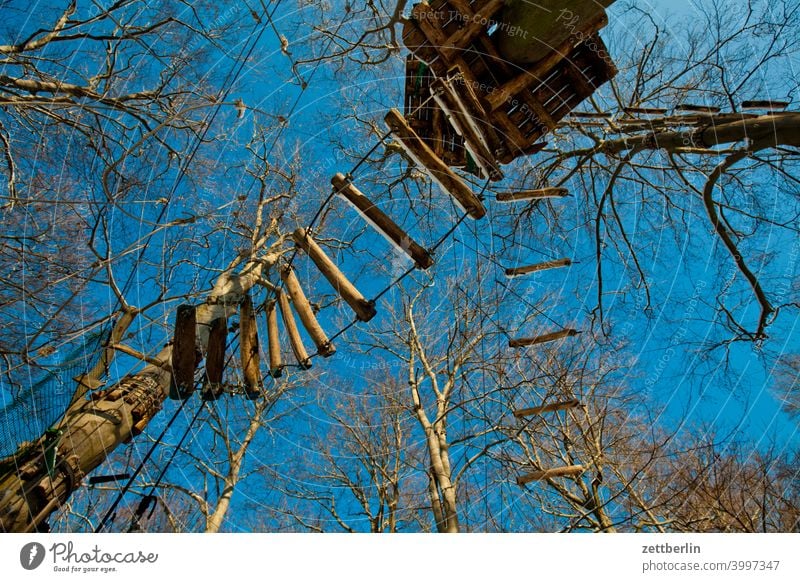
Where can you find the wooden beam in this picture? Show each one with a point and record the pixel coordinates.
(765, 104)
(541, 339)
(516, 271)
(532, 194)
(273, 339)
(299, 350)
(249, 350)
(215, 359)
(554, 407)
(474, 26)
(184, 353)
(436, 168)
(376, 218)
(567, 471)
(364, 309)
(303, 308)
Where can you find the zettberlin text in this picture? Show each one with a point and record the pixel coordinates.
(671, 549)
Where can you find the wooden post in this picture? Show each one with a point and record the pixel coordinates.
(567, 471)
(273, 339)
(303, 308)
(380, 222)
(437, 169)
(184, 353)
(541, 339)
(215, 359)
(516, 271)
(364, 309)
(532, 194)
(554, 407)
(249, 350)
(299, 350)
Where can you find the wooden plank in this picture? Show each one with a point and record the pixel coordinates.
(273, 339)
(568, 471)
(541, 339)
(554, 407)
(364, 309)
(296, 343)
(698, 108)
(249, 349)
(184, 353)
(644, 110)
(475, 25)
(532, 194)
(303, 308)
(437, 169)
(554, 264)
(376, 218)
(215, 359)
(769, 105)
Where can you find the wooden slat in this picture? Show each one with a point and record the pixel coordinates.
(475, 25)
(376, 218)
(553, 407)
(184, 352)
(554, 264)
(303, 308)
(274, 341)
(532, 194)
(215, 359)
(296, 343)
(249, 349)
(436, 168)
(567, 471)
(541, 339)
(364, 309)
(765, 104)
(697, 108)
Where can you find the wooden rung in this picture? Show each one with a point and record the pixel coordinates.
(765, 104)
(249, 350)
(376, 218)
(567, 471)
(644, 110)
(437, 169)
(698, 108)
(554, 407)
(541, 339)
(590, 115)
(516, 271)
(273, 339)
(303, 308)
(299, 350)
(215, 359)
(184, 353)
(532, 194)
(364, 309)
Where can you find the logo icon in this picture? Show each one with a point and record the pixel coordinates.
(31, 555)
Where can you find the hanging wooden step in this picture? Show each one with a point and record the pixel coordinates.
(303, 308)
(296, 343)
(554, 264)
(376, 218)
(273, 339)
(436, 168)
(644, 110)
(769, 105)
(364, 309)
(249, 349)
(215, 359)
(532, 194)
(697, 108)
(553, 407)
(541, 339)
(184, 353)
(567, 471)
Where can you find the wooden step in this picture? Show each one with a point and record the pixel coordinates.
(274, 341)
(424, 157)
(697, 108)
(532, 194)
(567, 471)
(303, 308)
(554, 264)
(541, 339)
(384, 225)
(215, 359)
(765, 104)
(249, 349)
(296, 343)
(553, 407)
(364, 309)
(184, 353)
